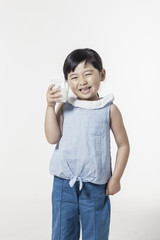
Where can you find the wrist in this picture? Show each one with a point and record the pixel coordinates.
(116, 178)
(50, 107)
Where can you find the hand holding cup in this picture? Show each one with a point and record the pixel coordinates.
(53, 95)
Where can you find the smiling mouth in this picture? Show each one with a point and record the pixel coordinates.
(85, 90)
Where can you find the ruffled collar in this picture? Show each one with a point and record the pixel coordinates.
(88, 104)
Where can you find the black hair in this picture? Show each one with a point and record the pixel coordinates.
(79, 55)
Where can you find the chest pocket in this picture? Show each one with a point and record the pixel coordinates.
(97, 123)
(97, 128)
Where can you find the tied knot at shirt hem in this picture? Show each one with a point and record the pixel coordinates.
(73, 180)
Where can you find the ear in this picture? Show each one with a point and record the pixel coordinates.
(103, 74)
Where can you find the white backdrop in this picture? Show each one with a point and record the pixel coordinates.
(36, 36)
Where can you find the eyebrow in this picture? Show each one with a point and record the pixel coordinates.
(70, 75)
(89, 70)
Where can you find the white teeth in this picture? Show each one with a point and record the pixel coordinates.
(85, 88)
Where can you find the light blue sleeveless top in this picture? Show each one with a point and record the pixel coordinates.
(83, 152)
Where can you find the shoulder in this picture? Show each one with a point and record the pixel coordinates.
(115, 114)
(114, 109)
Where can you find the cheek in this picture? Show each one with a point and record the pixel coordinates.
(72, 85)
(96, 83)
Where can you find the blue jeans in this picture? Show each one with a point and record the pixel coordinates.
(70, 205)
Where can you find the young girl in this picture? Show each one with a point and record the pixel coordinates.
(81, 161)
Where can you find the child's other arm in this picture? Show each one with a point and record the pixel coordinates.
(121, 138)
(53, 120)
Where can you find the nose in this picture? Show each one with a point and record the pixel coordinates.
(82, 81)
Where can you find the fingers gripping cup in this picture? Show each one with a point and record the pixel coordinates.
(63, 89)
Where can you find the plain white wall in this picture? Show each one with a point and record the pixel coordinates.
(36, 36)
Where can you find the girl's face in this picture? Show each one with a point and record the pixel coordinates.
(85, 81)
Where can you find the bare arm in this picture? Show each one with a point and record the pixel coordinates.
(53, 119)
(122, 155)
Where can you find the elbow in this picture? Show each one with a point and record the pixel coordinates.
(125, 147)
(128, 146)
(53, 138)
(53, 141)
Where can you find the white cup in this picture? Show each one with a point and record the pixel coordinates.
(63, 90)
